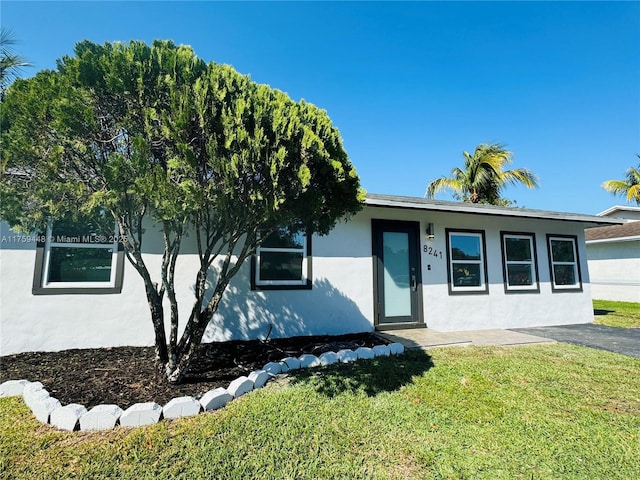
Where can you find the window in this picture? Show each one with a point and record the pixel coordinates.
(466, 258)
(519, 260)
(79, 256)
(563, 262)
(282, 261)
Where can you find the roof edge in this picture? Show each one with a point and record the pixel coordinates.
(615, 208)
(417, 203)
(613, 240)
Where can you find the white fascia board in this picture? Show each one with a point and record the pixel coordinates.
(614, 240)
(414, 203)
(618, 208)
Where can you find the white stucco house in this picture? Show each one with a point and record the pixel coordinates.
(401, 262)
(613, 255)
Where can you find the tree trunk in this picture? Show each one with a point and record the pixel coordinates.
(154, 298)
(200, 317)
(194, 331)
(157, 318)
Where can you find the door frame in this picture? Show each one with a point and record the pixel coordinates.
(378, 226)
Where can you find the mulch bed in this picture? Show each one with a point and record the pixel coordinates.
(127, 375)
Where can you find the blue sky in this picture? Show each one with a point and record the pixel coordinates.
(411, 85)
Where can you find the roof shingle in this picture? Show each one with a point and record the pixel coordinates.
(630, 229)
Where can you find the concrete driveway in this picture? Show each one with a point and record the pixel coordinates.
(620, 340)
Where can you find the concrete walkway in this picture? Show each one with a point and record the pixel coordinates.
(425, 338)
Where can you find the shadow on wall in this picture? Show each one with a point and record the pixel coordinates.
(247, 314)
(371, 377)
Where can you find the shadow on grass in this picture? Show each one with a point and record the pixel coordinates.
(382, 374)
(598, 312)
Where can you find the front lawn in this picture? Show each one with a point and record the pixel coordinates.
(616, 314)
(546, 411)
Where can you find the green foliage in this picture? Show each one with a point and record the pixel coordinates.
(617, 314)
(153, 131)
(629, 187)
(544, 412)
(483, 177)
(133, 126)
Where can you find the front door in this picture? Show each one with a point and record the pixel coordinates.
(397, 280)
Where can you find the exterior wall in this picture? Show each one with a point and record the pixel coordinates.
(341, 300)
(55, 322)
(629, 214)
(335, 305)
(615, 270)
(496, 309)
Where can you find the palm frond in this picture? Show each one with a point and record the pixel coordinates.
(520, 176)
(10, 62)
(440, 184)
(616, 187)
(633, 175)
(483, 175)
(629, 187)
(494, 156)
(633, 194)
(458, 174)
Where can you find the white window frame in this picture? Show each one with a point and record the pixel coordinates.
(532, 262)
(575, 263)
(51, 243)
(284, 283)
(483, 287)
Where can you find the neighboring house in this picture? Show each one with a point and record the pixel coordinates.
(400, 262)
(625, 213)
(613, 254)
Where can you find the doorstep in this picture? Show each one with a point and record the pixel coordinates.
(383, 327)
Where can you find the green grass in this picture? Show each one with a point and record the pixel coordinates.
(617, 314)
(546, 411)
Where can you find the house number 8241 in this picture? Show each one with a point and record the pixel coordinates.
(432, 251)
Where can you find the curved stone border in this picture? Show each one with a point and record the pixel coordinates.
(48, 409)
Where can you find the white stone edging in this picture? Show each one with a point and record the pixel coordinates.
(105, 417)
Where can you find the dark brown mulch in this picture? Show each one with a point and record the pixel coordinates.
(126, 375)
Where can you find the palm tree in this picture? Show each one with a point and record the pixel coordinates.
(483, 176)
(10, 62)
(630, 186)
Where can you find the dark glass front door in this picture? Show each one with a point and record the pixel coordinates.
(397, 284)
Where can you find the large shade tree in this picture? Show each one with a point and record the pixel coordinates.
(629, 187)
(483, 176)
(154, 133)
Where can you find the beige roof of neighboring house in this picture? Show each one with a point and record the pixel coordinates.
(631, 229)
